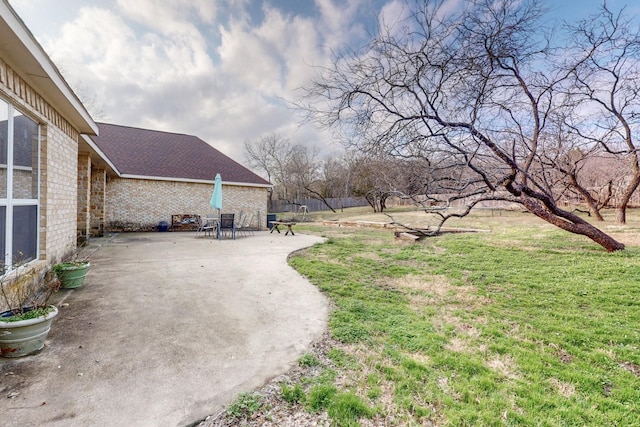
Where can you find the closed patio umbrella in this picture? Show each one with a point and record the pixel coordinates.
(216, 197)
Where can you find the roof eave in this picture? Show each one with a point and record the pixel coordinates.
(200, 181)
(90, 145)
(29, 59)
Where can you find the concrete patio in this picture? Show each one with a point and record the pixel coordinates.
(167, 329)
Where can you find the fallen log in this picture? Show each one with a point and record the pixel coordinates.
(406, 236)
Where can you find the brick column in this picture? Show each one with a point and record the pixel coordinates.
(44, 186)
(98, 197)
(84, 196)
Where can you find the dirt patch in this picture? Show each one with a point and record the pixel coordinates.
(435, 290)
(504, 365)
(564, 389)
(562, 354)
(458, 345)
(631, 367)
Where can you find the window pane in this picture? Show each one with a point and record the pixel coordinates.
(25, 157)
(4, 129)
(25, 232)
(3, 227)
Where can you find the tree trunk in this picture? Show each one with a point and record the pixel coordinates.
(592, 204)
(596, 213)
(621, 208)
(621, 214)
(572, 223)
(373, 202)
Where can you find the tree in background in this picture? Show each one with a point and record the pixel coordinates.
(293, 169)
(604, 89)
(269, 156)
(476, 87)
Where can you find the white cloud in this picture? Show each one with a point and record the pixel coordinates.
(196, 66)
(169, 16)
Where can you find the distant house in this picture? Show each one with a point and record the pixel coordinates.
(149, 175)
(41, 122)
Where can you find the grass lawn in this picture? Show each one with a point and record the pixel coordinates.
(522, 325)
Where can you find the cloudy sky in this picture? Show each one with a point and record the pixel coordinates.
(219, 69)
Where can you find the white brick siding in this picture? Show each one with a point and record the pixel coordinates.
(61, 207)
(147, 202)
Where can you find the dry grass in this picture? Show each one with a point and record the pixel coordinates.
(564, 389)
(491, 220)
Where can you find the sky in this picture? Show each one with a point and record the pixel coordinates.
(223, 70)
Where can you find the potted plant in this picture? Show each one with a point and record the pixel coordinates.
(71, 273)
(26, 322)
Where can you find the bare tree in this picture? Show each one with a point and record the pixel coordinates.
(372, 180)
(379, 178)
(335, 176)
(565, 159)
(475, 85)
(605, 84)
(303, 170)
(269, 155)
(292, 168)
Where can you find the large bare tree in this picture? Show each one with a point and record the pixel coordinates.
(474, 86)
(604, 84)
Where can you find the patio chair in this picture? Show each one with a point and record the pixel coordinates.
(244, 225)
(227, 225)
(204, 227)
(239, 230)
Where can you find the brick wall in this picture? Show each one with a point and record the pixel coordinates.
(142, 203)
(58, 161)
(84, 195)
(96, 208)
(59, 188)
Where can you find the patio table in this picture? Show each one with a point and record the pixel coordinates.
(288, 224)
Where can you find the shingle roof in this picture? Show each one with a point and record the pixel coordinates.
(151, 153)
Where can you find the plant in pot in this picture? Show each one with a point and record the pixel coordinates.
(26, 321)
(72, 272)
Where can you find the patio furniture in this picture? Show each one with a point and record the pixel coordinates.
(227, 225)
(243, 226)
(206, 225)
(288, 224)
(184, 222)
(246, 225)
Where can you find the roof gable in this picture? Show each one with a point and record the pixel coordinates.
(162, 155)
(20, 50)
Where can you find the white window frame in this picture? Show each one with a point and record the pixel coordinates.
(9, 202)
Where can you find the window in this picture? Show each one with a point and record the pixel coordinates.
(19, 186)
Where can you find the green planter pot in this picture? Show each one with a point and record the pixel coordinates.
(24, 337)
(71, 275)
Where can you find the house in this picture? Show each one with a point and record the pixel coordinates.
(63, 176)
(148, 176)
(41, 123)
